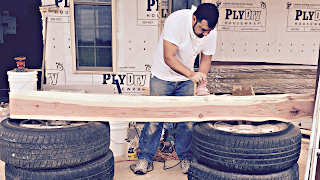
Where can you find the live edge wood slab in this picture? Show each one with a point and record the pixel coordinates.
(108, 107)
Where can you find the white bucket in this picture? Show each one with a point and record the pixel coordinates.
(118, 134)
(23, 80)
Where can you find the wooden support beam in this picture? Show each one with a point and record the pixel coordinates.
(104, 107)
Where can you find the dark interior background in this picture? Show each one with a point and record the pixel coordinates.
(26, 42)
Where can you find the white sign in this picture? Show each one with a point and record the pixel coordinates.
(303, 17)
(147, 12)
(242, 17)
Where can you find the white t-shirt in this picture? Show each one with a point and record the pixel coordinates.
(178, 30)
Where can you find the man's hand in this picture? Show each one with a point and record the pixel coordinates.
(198, 77)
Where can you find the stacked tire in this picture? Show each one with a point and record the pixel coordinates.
(78, 150)
(256, 151)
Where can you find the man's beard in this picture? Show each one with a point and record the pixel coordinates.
(199, 35)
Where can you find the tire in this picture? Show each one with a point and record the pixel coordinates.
(52, 148)
(201, 172)
(102, 169)
(258, 153)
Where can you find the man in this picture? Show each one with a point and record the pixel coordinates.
(186, 33)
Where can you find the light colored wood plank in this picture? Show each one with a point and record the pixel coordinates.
(266, 81)
(282, 68)
(143, 87)
(104, 107)
(306, 132)
(305, 140)
(304, 124)
(255, 75)
(101, 89)
(266, 85)
(263, 90)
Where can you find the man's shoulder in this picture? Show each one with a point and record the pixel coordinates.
(179, 18)
(212, 35)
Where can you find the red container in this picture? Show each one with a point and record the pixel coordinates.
(21, 64)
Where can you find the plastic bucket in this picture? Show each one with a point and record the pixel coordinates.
(118, 134)
(23, 80)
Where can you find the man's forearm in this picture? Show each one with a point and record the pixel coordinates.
(205, 63)
(177, 66)
(169, 52)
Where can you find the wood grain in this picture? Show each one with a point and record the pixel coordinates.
(265, 79)
(104, 107)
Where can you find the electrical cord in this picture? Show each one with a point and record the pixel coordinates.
(159, 157)
(164, 165)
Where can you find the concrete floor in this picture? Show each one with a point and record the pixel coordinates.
(123, 172)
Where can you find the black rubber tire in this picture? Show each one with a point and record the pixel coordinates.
(246, 153)
(102, 169)
(52, 148)
(201, 172)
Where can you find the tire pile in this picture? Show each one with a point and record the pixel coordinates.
(239, 156)
(67, 153)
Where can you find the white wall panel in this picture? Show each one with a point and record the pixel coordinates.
(273, 36)
(136, 42)
(268, 31)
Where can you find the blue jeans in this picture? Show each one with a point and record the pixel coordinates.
(151, 132)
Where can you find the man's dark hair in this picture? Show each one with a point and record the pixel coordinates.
(209, 12)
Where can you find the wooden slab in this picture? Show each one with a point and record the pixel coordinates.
(104, 107)
(265, 79)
